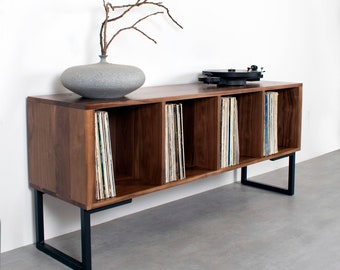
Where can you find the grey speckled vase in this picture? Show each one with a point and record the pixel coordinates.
(102, 80)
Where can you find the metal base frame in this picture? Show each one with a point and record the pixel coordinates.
(291, 178)
(85, 219)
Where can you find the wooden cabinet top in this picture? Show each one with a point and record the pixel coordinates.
(161, 93)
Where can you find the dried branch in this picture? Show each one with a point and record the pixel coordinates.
(109, 8)
(135, 28)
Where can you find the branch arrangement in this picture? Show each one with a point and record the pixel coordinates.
(109, 9)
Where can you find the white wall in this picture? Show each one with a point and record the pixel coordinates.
(295, 40)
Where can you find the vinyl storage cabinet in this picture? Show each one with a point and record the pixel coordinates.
(61, 144)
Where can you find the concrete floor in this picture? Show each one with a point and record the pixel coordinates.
(234, 227)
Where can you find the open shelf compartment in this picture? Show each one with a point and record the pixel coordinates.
(200, 124)
(136, 140)
(250, 125)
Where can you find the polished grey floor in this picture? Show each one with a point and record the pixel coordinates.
(233, 227)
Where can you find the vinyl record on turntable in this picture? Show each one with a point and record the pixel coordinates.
(231, 77)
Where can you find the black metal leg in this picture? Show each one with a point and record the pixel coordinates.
(85, 217)
(40, 237)
(39, 217)
(243, 175)
(291, 178)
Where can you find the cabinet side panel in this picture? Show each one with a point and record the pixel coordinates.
(81, 152)
(148, 143)
(62, 153)
(289, 117)
(57, 151)
(122, 141)
(201, 133)
(40, 138)
(70, 155)
(251, 123)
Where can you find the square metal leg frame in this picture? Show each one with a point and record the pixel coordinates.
(85, 218)
(291, 178)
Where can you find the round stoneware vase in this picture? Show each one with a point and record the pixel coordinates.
(102, 80)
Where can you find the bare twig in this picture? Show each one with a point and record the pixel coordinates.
(135, 28)
(109, 8)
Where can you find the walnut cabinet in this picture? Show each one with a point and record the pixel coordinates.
(61, 143)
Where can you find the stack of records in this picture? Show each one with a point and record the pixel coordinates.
(103, 155)
(229, 132)
(270, 145)
(174, 143)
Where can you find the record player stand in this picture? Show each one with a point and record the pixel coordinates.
(61, 145)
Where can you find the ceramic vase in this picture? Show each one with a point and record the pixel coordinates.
(103, 80)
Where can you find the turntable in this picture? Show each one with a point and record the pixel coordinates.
(231, 77)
